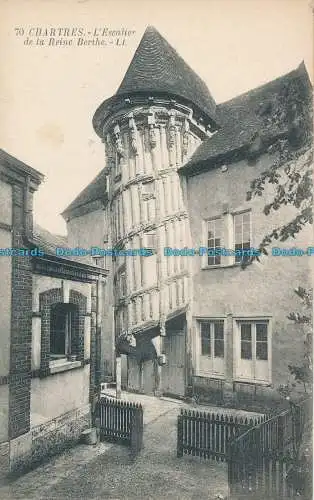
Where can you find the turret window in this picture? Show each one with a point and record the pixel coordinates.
(148, 190)
(149, 262)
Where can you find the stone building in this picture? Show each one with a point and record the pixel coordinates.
(50, 330)
(177, 170)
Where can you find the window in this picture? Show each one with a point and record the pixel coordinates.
(242, 235)
(150, 241)
(133, 305)
(149, 205)
(106, 221)
(212, 347)
(63, 321)
(148, 190)
(254, 341)
(121, 284)
(227, 239)
(149, 262)
(117, 168)
(205, 339)
(246, 341)
(261, 341)
(121, 320)
(214, 237)
(253, 358)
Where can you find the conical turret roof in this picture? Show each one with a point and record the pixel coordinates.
(156, 68)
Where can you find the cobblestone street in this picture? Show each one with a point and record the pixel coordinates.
(106, 471)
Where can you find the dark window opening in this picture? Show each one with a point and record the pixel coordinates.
(63, 328)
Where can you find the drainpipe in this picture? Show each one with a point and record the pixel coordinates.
(98, 330)
(117, 357)
(118, 376)
(27, 213)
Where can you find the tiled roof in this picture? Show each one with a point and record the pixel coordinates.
(96, 190)
(243, 117)
(47, 241)
(10, 161)
(157, 68)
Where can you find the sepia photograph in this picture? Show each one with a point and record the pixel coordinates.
(156, 249)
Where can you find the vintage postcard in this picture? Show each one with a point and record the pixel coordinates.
(156, 249)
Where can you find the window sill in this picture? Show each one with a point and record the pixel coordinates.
(58, 367)
(252, 382)
(221, 266)
(215, 376)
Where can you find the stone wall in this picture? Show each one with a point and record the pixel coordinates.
(59, 434)
(48, 439)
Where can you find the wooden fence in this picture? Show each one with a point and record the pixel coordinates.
(122, 422)
(207, 435)
(264, 478)
(259, 459)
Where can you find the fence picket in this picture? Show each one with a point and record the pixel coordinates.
(222, 437)
(207, 435)
(258, 458)
(122, 422)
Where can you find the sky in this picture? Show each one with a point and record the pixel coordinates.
(50, 93)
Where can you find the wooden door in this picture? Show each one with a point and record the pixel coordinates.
(173, 375)
(148, 378)
(133, 374)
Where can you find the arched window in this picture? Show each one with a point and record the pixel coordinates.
(63, 330)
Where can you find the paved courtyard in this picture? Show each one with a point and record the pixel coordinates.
(106, 470)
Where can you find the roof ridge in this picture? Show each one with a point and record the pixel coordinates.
(298, 69)
(241, 119)
(19, 164)
(85, 196)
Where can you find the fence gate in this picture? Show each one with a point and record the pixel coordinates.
(121, 422)
(259, 459)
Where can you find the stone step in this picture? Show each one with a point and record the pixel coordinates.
(107, 385)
